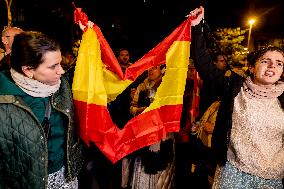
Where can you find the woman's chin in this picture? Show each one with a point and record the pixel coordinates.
(52, 83)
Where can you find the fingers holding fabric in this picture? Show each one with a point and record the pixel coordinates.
(196, 15)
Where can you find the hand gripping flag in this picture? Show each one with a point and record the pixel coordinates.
(98, 79)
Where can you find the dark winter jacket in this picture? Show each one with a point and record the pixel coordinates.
(229, 87)
(23, 145)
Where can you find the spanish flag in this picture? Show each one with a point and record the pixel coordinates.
(98, 79)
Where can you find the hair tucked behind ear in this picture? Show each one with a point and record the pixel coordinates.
(29, 48)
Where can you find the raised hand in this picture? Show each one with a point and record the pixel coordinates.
(90, 24)
(196, 15)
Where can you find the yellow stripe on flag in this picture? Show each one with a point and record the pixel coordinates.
(92, 82)
(171, 90)
(98, 79)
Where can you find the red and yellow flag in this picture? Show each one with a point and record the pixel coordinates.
(98, 79)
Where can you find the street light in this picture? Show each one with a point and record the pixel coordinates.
(251, 22)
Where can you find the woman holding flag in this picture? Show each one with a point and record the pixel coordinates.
(247, 139)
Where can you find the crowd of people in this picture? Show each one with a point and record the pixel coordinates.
(40, 146)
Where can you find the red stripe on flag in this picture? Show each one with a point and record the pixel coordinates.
(116, 143)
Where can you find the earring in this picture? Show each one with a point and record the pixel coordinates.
(30, 76)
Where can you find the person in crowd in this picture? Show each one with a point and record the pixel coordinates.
(7, 39)
(145, 91)
(119, 108)
(202, 155)
(207, 93)
(220, 60)
(39, 147)
(248, 135)
(153, 164)
(123, 58)
(68, 62)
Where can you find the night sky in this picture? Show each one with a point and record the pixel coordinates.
(140, 24)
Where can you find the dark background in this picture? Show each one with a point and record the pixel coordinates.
(140, 24)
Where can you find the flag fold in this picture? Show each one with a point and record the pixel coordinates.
(98, 79)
